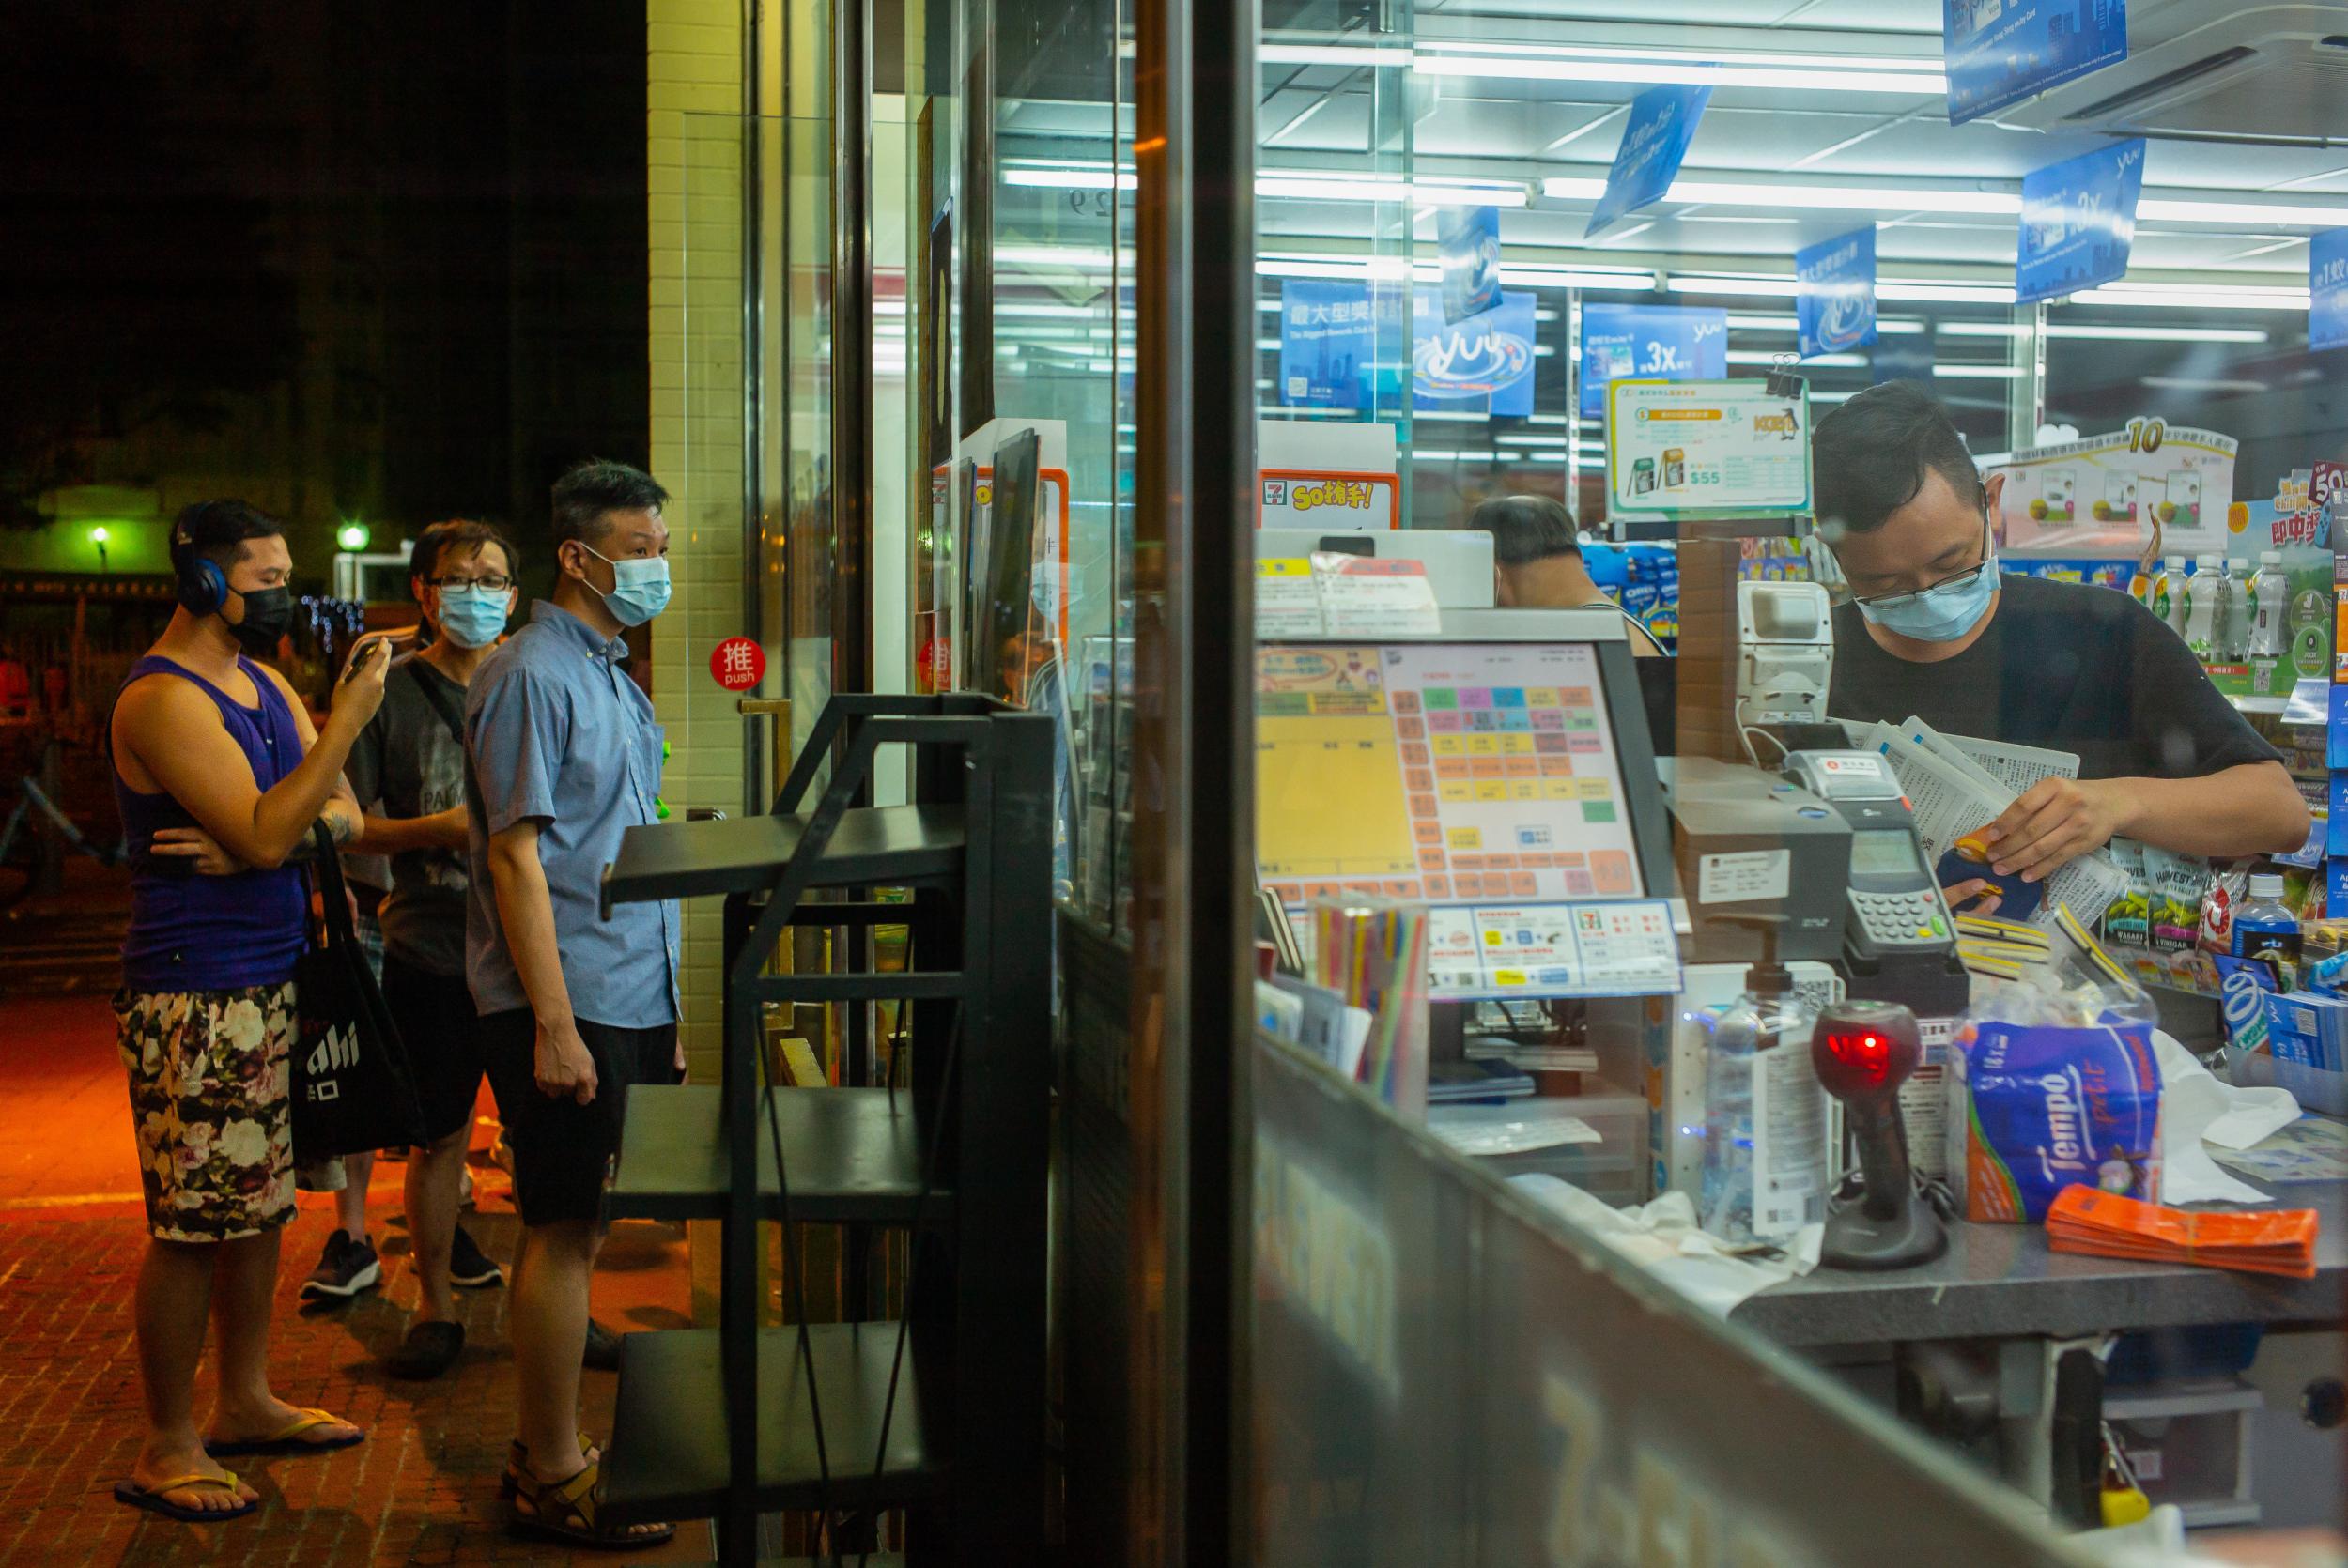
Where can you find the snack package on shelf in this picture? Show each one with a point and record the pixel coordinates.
(2106, 1224)
(2177, 883)
(2056, 1081)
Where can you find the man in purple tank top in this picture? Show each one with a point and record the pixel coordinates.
(219, 772)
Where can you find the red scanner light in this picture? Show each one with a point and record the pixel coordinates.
(1863, 1049)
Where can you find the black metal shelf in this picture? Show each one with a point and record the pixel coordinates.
(720, 1421)
(667, 1458)
(852, 1156)
(880, 846)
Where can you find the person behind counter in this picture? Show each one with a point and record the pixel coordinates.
(1536, 563)
(1934, 630)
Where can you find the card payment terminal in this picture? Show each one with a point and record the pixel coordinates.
(1899, 941)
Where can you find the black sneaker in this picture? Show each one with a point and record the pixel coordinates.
(602, 1351)
(344, 1269)
(429, 1350)
(469, 1267)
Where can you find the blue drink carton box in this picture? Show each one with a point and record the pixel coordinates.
(2039, 1108)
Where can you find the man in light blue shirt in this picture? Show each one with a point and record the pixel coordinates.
(561, 757)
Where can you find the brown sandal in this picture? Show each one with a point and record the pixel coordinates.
(518, 1465)
(566, 1511)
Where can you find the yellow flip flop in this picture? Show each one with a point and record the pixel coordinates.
(287, 1439)
(151, 1499)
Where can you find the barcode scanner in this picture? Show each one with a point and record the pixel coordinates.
(1863, 1051)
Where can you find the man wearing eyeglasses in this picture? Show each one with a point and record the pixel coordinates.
(1935, 630)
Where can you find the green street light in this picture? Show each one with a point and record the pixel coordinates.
(98, 536)
(353, 536)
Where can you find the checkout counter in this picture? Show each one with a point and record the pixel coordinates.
(1503, 771)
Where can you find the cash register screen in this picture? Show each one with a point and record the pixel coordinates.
(1880, 853)
(1438, 770)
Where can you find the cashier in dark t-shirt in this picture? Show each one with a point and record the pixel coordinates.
(1934, 631)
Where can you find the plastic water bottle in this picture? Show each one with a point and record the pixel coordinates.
(2233, 642)
(1763, 1113)
(2205, 595)
(2270, 613)
(2169, 593)
(2267, 929)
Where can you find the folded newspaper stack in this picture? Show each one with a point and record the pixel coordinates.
(1958, 786)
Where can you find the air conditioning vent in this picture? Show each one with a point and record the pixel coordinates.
(2266, 70)
(2161, 84)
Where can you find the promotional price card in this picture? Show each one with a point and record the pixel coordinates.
(1706, 446)
(2151, 486)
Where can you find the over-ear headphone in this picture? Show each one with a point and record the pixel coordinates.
(203, 586)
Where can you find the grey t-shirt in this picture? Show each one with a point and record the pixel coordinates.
(407, 763)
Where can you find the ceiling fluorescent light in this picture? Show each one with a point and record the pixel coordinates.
(2242, 214)
(1977, 373)
(1373, 57)
(2117, 334)
(2233, 297)
(1691, 72)
(1316, 186)
(1897, 63)
(1780, 287)
(1816, 361)
(1907, 198)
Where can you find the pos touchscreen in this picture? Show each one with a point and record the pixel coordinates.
(1440, 771)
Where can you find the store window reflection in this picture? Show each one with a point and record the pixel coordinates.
(1864, 821)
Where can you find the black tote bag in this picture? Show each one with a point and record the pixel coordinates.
(352, 1089)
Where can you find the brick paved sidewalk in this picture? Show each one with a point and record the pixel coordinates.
(420, 1489)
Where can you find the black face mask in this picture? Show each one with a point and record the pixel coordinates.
(268, 612)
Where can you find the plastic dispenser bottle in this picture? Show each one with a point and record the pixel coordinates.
(1765, 1115)
(2270, 616)
(2204, 598)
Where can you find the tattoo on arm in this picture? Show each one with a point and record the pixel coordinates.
(340, 827)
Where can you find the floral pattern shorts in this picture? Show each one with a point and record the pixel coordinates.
(210, 1099)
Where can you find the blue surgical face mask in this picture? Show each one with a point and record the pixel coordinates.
(640, 586)
(474, 617)
(1943, 612)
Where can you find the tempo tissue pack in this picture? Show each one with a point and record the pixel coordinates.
(2045, 1108)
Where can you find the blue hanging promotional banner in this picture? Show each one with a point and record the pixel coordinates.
(1678, 342)
(2078, 220)
(2328, 289)
(1662, 123)
(1468, 238)
(1486, 359)
(1836, 309)
(1328, 342)
(2000, 52)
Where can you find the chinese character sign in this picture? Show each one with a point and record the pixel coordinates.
(1836, 309)
(1674, 343)
(1328, 342)
(2000, 52)
(1487, 359)
(2078, 220)
(1662, 122)
(737, 664)
(2328, 289)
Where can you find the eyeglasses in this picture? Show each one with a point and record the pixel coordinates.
(1955, 580)
(495, 585)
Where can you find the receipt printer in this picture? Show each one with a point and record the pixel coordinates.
(1748, 842)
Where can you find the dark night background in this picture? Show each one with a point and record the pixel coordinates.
(346, 260)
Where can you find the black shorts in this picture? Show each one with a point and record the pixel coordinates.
(563, 1149)
(436, 1022)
